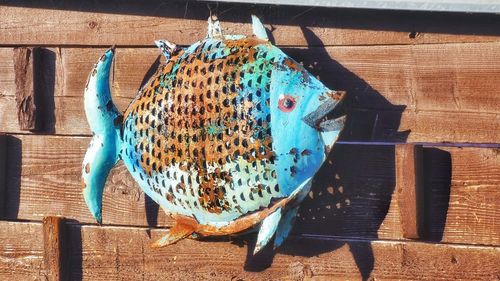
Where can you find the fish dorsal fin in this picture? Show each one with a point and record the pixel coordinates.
(214, 29)
(258, 28)
(166, 47)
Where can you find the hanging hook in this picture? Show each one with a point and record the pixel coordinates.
(213, 12)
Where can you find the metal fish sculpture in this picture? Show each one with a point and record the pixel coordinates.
(225, 137)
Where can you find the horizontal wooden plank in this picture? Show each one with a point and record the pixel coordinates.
(115, 253)
(43, 180)
(118, 253)
(381, 81)
(352, 195)
(21, 251)
(447, 77)
(109, 23)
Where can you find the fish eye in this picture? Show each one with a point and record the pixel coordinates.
(286, 103)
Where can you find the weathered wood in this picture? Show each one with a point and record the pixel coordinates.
(21, 251)
(410, 189)
(125, 253)
(350, 197)
(25, 60)
(380, 82)
(55, 253)
(3, 172)
(114, 253)
(108, 23)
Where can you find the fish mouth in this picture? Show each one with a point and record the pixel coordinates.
(326, 117)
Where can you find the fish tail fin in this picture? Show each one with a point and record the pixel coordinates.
(105, 122)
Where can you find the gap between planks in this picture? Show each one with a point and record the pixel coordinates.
(381, 143)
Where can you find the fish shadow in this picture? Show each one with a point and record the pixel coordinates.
(351, 193)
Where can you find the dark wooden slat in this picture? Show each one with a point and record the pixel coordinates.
(410, 189)
(109, 23)
(25, 64)
(351, 195)
(55, 253)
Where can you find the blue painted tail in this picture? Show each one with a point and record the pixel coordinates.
(105, 122)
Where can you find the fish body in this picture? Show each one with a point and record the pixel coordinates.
(225, 137)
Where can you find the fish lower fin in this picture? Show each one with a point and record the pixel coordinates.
(267, 229)
(280, 223)
(105, 122)
(285, 226)
(176, 233)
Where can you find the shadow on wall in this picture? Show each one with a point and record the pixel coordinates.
(45, 92)
(13, 177)
(352, 192)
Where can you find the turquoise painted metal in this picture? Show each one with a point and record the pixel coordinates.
(225, 137)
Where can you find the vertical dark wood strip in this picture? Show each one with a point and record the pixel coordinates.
(3, 173)
(25, 60)
(56, 256)
(409, 186)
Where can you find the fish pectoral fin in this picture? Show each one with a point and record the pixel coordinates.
(267, 229)
(285, 226)
(176, 233)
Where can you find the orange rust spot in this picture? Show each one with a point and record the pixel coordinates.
(293, 65)
(239, 225)
(245, 43)
(170, 197)
(337, 95)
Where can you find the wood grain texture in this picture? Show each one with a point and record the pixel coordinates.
(117, 253)
(25, 60)
(129, 23)
(410, 188)
(351, 195)
(390, 88)
(21, 251)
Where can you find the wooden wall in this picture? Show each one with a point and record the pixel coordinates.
(428, 78)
